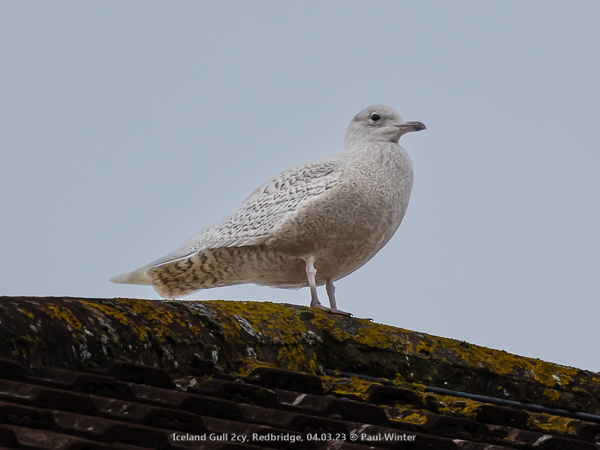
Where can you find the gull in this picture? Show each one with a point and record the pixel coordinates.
(308, 226)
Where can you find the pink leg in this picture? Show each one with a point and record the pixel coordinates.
(310, 273)
(314, 299)
(331, 293)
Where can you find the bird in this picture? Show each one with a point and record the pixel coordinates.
(310, 225)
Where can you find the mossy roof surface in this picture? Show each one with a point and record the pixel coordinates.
(208, 345)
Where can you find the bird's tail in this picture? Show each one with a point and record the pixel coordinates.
(178, 276)
(135, 277)
(206, 269)
(141, 275)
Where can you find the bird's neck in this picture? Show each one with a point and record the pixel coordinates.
(352, 146)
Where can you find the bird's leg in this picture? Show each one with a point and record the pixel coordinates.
(314, 299)
(331, 294)
(312, 282)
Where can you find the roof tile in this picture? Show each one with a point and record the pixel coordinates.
(286, 380)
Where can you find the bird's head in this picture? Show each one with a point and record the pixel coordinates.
(379, 123)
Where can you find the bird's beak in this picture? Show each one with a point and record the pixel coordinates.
(412, 126)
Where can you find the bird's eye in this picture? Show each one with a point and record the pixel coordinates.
(375, 117)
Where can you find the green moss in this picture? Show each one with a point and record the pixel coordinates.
(21, 341)
(258, 397)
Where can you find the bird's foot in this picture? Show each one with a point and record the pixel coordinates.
(331, 310)
(340, 312)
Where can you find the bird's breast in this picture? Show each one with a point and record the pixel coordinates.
(346, 225)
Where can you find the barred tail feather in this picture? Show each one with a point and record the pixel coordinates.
(207, 269)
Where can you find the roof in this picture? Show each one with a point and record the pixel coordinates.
(126, 374)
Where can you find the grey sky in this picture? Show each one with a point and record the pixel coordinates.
(127, 126)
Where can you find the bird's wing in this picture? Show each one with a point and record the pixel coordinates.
(256, 217)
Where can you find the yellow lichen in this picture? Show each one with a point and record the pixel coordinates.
(273, 321)
(141, 307)
(347, 386)
(457, 405)
(27, 313)
(546, 422)
(313, 364)
(64, 314)
(298, 359)
(552, 395)
(194, 330)
(291, 359)
(330, 326)
(378, 336)
(416, 418)
(496, 361)
(108, 310)
(246, 366)
(398, 380)
(286, 358)
(147, 309)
